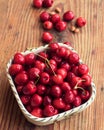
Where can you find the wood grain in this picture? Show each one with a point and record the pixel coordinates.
(20, 28)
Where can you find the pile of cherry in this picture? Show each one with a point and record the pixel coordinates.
(50, 21)
(51, 81)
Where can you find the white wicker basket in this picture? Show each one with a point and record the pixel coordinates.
(58, 117)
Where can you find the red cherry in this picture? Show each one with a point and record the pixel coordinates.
(69, 97)
(21, 78)
(60, 26)
(56, 91)
(52, 61)
(25, 99)
(37, 112)
(44, 16)
(41, 89)
(85, 95)
(65, 65)
(73, 58)
(68, 16)
(47, 37)
(34, 73)
(65, 87)
(67, 107)
(75, 91)
(19, 59)
(30, 88)
(54, 46)
(29, 59)
(62, 72)
(19, 89)
(58, 79)
(15, 69)
(44, 78)
(47, 100)
(40, 65)
(47, 3)
(80, 22)
(51, 69)
(83, 69)
(42, 56)
(29, 108)
(37, 3)
(74, 69)
(76, 81)
(55, 18)
(86, 80)
(67, 43)
(48, 25)
(36, 100)
(58, 103)
(57, 58)
(77, 101)
(70, 76)
(61, 52)
(48, 110)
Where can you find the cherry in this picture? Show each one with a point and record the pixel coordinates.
(70, 76)
(40, 65)
(44, 78)
(34, 73)
(67, 43)
(37, 3)
(80, 22)
(29, 108)
(25, 99)
(30, 88)
(77, 101)
(42, 56)
(54, 46)
(56, 91)
(52, 61)
(36, 100)
(29, 59)
(73, 58)
(76, 81)
(67, 107)
(51, 69)
(83, 69)
(75, 91)
(37, 112)
(19, 89)
(57, 58)
(65, 87)
(21, 78)
(44, 16)
(87, 80)
(62, 72)
(60, 26)
(58, 103)
(65, 65)
(74, 69)
(85, 95)
(47, 100)
(15, 69)
(69, 97)
(41, 89)
(61, 52)
(48, 25)
(58, 79)
(68, 16)
(47, 37)
(19, 59)
(47, 3)
(55, 18)
(49, 110)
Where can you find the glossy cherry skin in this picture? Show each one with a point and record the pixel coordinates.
(54, 46)
(41, 89)
(73, 58)
(55, 18)
(87, 81)
(21, 78)
(30, 88)
(33, 73)
(29, 108)
(76, 81)
(36, 100)
(47, 3)
(44, 16)
(83, 69)
(25, 99)
(47, 37)
(77, 101)
(85, 95)
(80, 22)
(61, 52)
(44, 78)
(42, 56)
(51, 69)
(40, 65)
(47, 100)
(69, 97)
(58, 79)
(15, 69)
(65, 87)
(68, 16)
(67, 107)
(19, 59)
(58, 103)
(60, 26)
(37, 112)
(29, 58)
(66, 66)
(56, 91)
(37, 3)
(62, 72)
(48, 110)
(19, 89)
(67, 43)
(70, 76)
(74, 69)
(47, 25)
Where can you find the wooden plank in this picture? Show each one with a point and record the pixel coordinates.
(20, 28)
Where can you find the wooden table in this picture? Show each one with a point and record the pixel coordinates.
(20, 28)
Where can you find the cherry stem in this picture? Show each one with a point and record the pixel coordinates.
(37, 80)
(47, 62)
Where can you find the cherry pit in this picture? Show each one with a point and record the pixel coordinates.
(51, 81)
